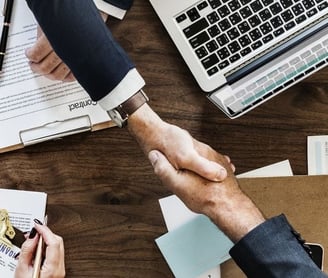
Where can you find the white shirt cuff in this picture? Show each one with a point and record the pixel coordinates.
(130, 84)
(110, 9)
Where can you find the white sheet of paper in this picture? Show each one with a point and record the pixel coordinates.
(23, 207)
(110, 9)
(317, 152)
(28, 100)
(177, 214)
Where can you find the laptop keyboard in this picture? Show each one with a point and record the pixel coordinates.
(275, 79)
(223, 32)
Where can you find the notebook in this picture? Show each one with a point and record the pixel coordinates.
(244, 52)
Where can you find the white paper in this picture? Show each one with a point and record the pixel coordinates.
(177, 214)
(23, 207)
(317, 151)
(28, 100)
(110, 9)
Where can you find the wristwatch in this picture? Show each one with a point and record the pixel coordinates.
(121, 113)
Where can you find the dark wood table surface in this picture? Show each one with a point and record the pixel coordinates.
(102, 193)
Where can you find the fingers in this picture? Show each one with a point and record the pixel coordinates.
(164, 169)
(26, 256)
(43, 60)
(203, 166)
(54, 265)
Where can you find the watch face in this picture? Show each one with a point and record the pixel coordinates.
(117, 118)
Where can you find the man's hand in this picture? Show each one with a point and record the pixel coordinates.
(223, 202)
(44, 60)
(181, 149)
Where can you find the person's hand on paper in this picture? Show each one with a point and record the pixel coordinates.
(44, 60)
(223, 202)
(180, 148)
(53, 265)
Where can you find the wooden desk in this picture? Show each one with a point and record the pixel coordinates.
(103, 195)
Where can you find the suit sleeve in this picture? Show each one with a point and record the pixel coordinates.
(82, 40)
(274, 249)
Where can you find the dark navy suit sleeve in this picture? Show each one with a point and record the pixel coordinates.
(123, 4)
(273, 250)
(82, 40)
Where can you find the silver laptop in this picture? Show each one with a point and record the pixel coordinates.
(244, 52)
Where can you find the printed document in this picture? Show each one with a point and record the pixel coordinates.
(32, 103)
(22, 207)
(317, 150)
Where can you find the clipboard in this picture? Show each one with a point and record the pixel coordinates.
(303, 199)
(34, 109)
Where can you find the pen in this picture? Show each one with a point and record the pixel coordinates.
(7, 11)
(38, 255)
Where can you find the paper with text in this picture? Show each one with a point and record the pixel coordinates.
(317, 151)
(22, 207)
(28, 100)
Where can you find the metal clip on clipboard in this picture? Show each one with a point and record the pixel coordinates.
(55, 130)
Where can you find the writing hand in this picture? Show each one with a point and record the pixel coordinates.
(53, 265)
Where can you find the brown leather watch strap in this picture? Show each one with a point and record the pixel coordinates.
(121, 113)
(133, 103)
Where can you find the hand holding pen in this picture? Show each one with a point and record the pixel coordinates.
(7, 11)
(53, 262)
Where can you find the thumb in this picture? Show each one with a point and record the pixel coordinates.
(162, 167)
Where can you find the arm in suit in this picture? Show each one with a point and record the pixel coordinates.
(264, 248)
(274, 249)
(105, 58)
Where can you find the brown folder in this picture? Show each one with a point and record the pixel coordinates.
(303, 199)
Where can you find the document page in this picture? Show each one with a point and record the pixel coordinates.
(28, 100)
(23, 207)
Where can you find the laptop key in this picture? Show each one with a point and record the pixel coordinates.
(311, 12)
(322, 6)
(199, 39)
(195, 28)
(201, 52)
(222, 39)
(254, 21)
(223, 53)
(181, 18)
(245, 12)
(279, 32)
(275, 8)
(286, 3)
(289, 25)
(212, 71)
(255, 34)
(212, 46)
(234, 47)
(214, 3)
(267, 38)
(213, 31)
(233, 33)
(244, 41)
(300, 19)
(193, 14)
(203, 5)
(287, 15)
(256, 45)
(224, 24)
(234, 58)
(276, 22)
(224, 11)
(223, 64)
(210, 61)
(213, 17)
(245, 51)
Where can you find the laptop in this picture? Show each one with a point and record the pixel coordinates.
(244, 52)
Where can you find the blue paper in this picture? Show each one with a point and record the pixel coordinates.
(194, 248)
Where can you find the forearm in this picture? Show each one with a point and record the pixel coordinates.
(236, 215)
